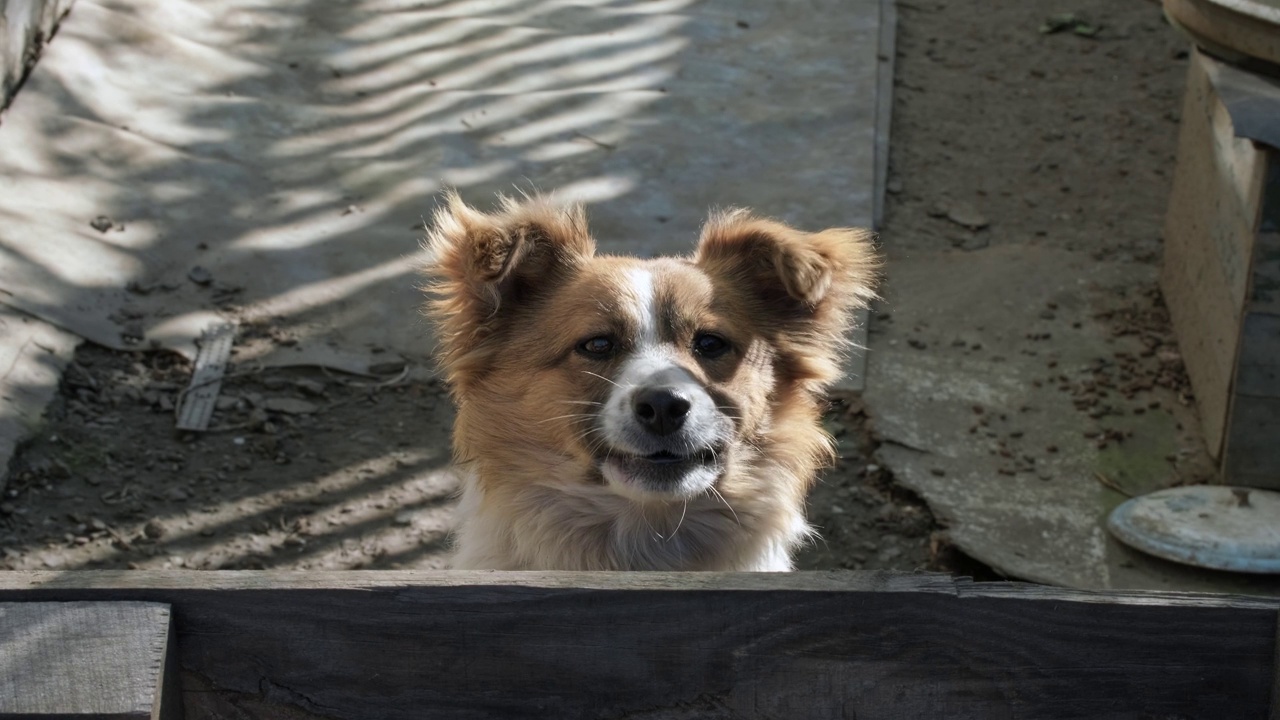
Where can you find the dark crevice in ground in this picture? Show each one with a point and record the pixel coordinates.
(866, 519)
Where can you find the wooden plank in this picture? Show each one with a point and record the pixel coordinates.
(199, 399)
(1275, 677)
(1209, 233)
(1258, 365)
(1252, 457)
(658, 645)
(85, 660)
(1258, 368)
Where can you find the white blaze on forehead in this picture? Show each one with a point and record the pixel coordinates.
(652, 363)
(649, 357)
(640, 282)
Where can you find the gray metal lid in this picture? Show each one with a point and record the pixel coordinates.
(1210, 526)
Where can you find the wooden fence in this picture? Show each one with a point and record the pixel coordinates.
(401, 644)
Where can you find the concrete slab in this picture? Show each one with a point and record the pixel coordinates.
(290, 150)
(980, 382)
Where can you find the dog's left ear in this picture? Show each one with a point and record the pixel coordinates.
(481, 264)
(803, 287)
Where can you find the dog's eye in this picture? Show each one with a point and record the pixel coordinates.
(600, 346)
(710, 346)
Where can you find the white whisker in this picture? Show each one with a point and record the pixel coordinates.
(726, 504)
(562, 417)
(656, 535)
(602, 378)
(680, 522)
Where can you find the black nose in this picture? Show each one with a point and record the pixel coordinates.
(661, 410)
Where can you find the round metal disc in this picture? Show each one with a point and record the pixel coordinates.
(1210, 526)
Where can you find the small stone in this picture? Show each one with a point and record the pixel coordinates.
(257, 419)
(200, 275)
(177, 494)
(102, 223)
(890, 553)
(894, 186)
(290, 406)
(937, 472)
(387, 368)
(53, 562)
(314, 388)
(153, 529)
(404, 518)
(97, 525)
(967, 216)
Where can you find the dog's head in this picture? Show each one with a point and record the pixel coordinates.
(654, 377)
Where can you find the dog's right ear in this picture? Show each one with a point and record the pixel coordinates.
(478, 262)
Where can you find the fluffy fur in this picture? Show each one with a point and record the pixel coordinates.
(549, 350)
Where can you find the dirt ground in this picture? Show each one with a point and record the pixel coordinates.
(1002, 133)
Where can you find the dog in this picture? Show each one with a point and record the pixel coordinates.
(615, 413)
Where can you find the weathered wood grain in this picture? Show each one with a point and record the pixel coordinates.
(1275, 677)
(1209, 234)
(482, 645)
(85, 660)
(1251, 455)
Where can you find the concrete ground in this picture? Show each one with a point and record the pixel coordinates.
(1022, 378)
(1022, 373)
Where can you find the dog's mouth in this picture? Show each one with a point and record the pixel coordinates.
(663, 473)
(668, 458)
